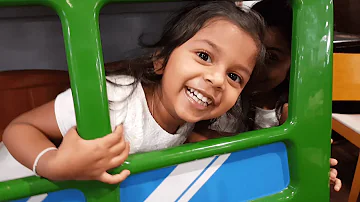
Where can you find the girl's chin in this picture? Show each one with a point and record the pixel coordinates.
(192, 119)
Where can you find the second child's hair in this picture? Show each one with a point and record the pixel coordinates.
(278, 14)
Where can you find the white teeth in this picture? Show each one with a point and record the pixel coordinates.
(198, 97)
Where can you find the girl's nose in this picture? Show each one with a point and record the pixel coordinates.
(215, 78)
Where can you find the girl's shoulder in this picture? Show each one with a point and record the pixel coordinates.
(122, 80)
(120, 87)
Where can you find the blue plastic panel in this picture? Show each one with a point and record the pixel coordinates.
(239, 176)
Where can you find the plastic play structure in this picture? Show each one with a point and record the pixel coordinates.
(286, 163)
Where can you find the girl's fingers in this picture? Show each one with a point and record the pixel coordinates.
(333, 162)
(114, 179)
(333, 173)
(118, 160)
(118, 148)
(112, 138)
(337, 185)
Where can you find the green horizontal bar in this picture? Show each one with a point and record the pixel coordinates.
(137, 163)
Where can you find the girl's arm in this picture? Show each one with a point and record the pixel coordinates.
(32, 132)
(76, 159)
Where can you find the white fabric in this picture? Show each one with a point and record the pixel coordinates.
(225, 124)
(128, 106)
(350, 120)
(265, 118)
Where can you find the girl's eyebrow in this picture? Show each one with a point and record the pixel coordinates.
(218, 49)
(276, 49)
(210, 43)
(244, 69)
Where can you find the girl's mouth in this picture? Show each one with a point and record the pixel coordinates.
(198, 97)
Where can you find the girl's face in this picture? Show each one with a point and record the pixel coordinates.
(205, 76)
(278, 60)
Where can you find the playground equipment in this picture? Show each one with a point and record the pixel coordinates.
(286, 163)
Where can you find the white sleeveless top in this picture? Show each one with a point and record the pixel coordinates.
(127, 106)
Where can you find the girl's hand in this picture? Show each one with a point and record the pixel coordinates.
(333, 174)
(79, 159)
(284, 113)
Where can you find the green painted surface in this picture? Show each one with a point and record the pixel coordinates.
(306, 133)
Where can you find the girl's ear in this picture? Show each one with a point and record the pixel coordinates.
(158, 66)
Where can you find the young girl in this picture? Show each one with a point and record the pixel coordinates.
(195, 72)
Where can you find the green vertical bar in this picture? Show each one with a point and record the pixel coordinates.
(86, 68)
(311, 99)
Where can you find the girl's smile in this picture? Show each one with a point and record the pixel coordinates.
(200, 99)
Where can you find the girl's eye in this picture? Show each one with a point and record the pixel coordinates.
(271, 57)
(204, 56)
(234, 77)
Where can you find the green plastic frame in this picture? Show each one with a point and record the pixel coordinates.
(306, 132)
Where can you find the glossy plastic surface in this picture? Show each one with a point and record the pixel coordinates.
(306, 133)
